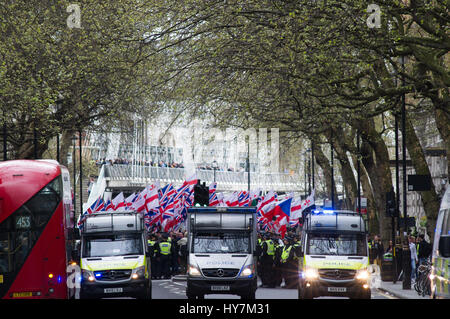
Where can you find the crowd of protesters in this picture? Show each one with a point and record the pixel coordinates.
(124, 161)
(168, 254)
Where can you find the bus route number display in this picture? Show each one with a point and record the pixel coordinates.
(23, 222)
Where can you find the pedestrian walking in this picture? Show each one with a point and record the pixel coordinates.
(378, 250)
(414, 259)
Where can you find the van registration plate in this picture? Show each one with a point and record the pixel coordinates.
(112, 290)
(220, 288)
(337, 289)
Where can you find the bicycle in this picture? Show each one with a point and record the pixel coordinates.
(423, 283)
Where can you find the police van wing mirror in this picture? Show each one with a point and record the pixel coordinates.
(444, 246)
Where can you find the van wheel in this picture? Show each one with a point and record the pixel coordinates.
(147, 293)
(304, 293)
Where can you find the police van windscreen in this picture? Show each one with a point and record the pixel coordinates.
(221, 243)
(113, 245)
(337, 244)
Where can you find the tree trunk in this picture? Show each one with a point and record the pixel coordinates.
(367, 192)
(430, 200)
(376, 161)
(349, 180)
(66, 145)
(26, 149)
(443, 124)
(324, 164)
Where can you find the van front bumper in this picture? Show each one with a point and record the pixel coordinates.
(99, 289)
(343, 288)
(239, 286)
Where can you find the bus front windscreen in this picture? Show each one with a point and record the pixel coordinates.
(21, 230)
(221, 243)
(113, 245)
(337, 244)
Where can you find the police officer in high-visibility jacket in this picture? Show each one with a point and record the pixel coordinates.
(267, 255)
(152, 250)
(288, 263)
(297, 248)
(277, 275)
(164, 255)
(258, 252)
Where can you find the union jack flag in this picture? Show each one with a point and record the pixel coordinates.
(165, 194)
(95, 207)
(243, 198)
(213, 199)
(108, 206)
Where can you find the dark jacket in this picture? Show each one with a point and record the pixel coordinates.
(424, 250)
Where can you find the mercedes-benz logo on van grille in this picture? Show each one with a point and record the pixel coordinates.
(337, 273)
(220, 272)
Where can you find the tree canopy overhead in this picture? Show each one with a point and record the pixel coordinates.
(314, 69)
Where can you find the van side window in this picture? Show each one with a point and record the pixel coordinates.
(446, 223)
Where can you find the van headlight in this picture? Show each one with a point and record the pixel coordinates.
(311, 273)
(138, 272)
(362, 274)
(87, 275)
(247, 271)
(194, 271)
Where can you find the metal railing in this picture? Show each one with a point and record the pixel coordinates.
(226, 180)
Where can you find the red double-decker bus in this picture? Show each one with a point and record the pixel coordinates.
(36, 229)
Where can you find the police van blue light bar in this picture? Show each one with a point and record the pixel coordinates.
(325, 211)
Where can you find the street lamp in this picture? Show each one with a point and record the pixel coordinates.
(81, 174)
(406, 254)
(312, 165)
(58, 106)
(332, 169)
(309, 170)
(358, 170)
(248, 164)
(74, 140)
(5, 137)
(215, 166)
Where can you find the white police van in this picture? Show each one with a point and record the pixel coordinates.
(440, 280)
(114, 256)
(221, 252)
(334, 255)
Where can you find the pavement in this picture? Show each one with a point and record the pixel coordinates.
(389, 287)
(397, 290)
